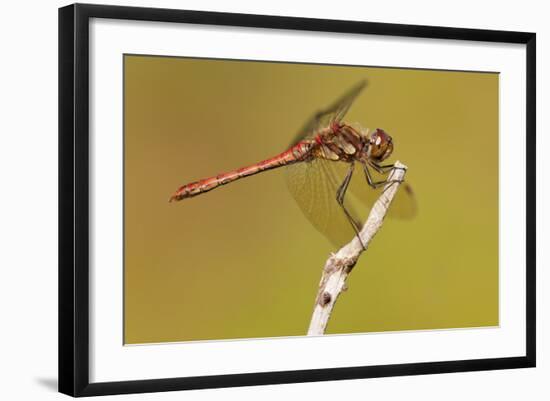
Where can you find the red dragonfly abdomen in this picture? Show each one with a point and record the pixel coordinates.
(297, 153)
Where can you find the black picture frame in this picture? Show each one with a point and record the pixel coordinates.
(74, 193)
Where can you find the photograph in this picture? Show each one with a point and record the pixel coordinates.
(241, 178)
(251, 199)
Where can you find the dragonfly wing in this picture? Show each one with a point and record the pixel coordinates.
(404, 203)
(314, 184)
(334, 113)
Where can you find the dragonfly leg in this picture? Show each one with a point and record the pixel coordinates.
(372, 183)
(380, 169)
(386, 168)
(340, 193)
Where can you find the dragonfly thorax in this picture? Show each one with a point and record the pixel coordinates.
(347, 144)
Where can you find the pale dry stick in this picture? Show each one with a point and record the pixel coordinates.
(339, 265)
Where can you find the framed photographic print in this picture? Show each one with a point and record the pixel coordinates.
(249, 199)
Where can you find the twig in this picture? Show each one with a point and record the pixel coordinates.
(339, 265)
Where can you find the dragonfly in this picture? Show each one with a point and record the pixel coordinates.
(319, 168)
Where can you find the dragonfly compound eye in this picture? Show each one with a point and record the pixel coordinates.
(381, 145)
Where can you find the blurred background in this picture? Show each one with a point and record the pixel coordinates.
(242, 261)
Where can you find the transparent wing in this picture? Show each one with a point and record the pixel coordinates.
(404, 204)
(335, 112)
(314, 184)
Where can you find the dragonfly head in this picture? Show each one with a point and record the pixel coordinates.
(379, 145)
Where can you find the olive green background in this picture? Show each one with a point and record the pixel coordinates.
(242, 261)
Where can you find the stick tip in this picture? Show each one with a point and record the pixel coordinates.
(400, 165)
